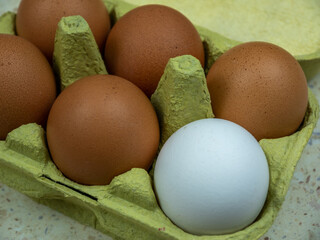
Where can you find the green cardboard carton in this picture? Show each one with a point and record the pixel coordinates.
(127, 208)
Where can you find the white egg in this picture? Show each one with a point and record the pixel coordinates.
(211, 177)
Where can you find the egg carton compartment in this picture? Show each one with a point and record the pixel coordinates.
(127, 208)
(310, 62)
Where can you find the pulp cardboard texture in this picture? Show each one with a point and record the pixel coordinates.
(76, 54)
(182, 91)
(295, 27)
(127, 208)
(7, 23)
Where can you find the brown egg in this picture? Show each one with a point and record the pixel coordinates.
(37, 20)
(28, 87)
(261, 87)
(102, 126)
(143, 40)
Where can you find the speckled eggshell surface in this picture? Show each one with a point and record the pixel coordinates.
(143, 40)
(261, 87)
(102, 126)
(37, 20)
(28, 87)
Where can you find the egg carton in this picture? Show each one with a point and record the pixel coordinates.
(127, 208)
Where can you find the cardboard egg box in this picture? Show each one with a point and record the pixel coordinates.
(127, 208)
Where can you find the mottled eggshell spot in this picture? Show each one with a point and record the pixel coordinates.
(142, 41)
(102, 126)
(261, 87)
(28, 87)
(37, 20)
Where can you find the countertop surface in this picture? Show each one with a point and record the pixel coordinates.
(299, 218)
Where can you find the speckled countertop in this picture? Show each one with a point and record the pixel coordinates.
(299, 218)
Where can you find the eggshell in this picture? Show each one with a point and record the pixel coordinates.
(37, 20)
(211, 177)
(143, 40)
(261, 87)
(28, 87)
(128, 204)
(102, 126)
